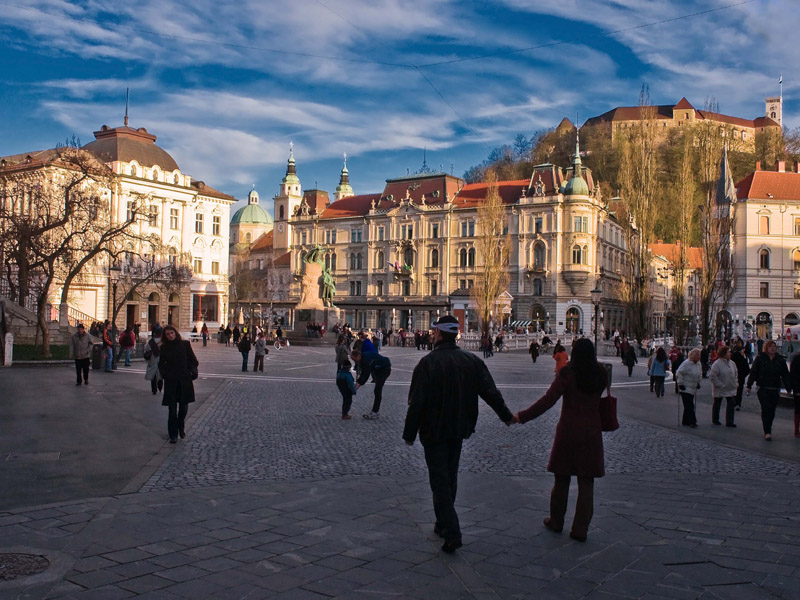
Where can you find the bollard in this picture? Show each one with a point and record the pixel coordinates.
(9, 350)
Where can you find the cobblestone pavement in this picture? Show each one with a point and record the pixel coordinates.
(272, 495)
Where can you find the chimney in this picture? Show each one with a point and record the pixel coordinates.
(781, 166)
(797, 166)
(758, 165)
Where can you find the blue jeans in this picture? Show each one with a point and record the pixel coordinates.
(109, 358)
(127, 356)
(244, 360)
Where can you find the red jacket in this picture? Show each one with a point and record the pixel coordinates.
(578, 444)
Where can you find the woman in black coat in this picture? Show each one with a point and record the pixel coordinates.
(178, 367)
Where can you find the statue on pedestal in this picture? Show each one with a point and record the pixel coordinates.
(319, 287)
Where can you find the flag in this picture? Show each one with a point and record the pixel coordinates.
(780, 78)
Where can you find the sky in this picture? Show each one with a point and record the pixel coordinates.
(226, 86)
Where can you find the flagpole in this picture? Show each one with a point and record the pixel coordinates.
(780, 82)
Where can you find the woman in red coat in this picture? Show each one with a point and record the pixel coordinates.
(578, 445)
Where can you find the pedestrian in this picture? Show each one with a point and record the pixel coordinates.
(795, 376)
(152, 355)
(342, 352)
(724, 381)
(658, 371)
(578, 443)
(244, 347)
(228, 335)
(347, 386)
(236, 335)
(689, 375)
(204, 333)
(127, 342)
(704, 360)
(377, 365)
(769, 372)
(108, 346)
(534, 351)
(560, 356)
(81, 348)
(260, 347)
(443, 410)
(178, 366)
(742, 371)
(674, 365)
(629, 358)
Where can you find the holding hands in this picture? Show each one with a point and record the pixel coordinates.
(514, 421)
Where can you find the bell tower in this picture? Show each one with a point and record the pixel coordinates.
(775, 109)
(288, 199)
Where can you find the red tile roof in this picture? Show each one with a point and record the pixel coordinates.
(264, 242)
(283, 260)
(474, 194)
(683, 103)
(694, 256)
(317, 200)
(769, 185)
(206, 190)
(353, 206)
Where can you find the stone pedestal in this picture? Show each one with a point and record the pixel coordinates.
(328, 316)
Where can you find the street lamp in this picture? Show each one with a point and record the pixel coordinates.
(113, 276)
(596, 293)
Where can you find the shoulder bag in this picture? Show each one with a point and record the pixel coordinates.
(608, 412)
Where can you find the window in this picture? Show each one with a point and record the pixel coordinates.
(462, 285)
(215, 267)
(205, 308)
(355, 235)
(381, 233)
(580, 224)
(763, 225)
(152, 218)
(434, 258)
(691, 291)
(359, 261)
(434, 287)
(435, 231)
(796, 260)
(406, 287)
(407, 232)
(380, 260)
(131, 210)
(471, 257)
(537, 225)
(198, 265)
(537, 287)
(763, 259)
(216, 224)
(352, 261)
(797, 225)
(763, 289)
(333, 261)
(248, 237)
(470, 283)
(539, 253)
(462, 257)
(577, 255)
(198, 223)
(468, 228)
(173, 256)
(379, 288)
(303, 238)
(173, 218)
(408, 257)
(797, 290)
(330, 236)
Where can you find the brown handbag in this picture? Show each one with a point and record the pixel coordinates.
(608, 412)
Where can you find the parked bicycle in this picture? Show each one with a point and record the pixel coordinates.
(281, 343)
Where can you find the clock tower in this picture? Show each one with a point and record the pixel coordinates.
(288, 199)
(775, 109)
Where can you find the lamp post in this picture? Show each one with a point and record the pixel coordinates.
(596, 293)
(113, 277)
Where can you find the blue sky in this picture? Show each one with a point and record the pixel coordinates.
(227, 85)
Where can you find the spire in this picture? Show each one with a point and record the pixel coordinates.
(291, 170)
(344, 189)
(577, 184)
(576, 162)
(726, 188)
(127, 94)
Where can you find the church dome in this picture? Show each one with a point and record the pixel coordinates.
(252, 214)
(127, 144)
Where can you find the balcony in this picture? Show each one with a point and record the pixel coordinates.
(575, 276)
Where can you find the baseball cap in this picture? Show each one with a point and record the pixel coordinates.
(447, 324)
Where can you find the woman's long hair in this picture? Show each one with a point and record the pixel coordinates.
(661, 355)
(164, 339)
(590, 376)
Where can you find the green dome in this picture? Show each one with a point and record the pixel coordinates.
(576, 186)
(252, 214)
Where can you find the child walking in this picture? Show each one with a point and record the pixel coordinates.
(347, 386)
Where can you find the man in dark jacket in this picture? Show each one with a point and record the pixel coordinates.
(743, 370)
(443, 408)
(376, 365)
(769, 372)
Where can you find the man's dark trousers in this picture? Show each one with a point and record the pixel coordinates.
(442, 459)
(82, 368)
(379, 377)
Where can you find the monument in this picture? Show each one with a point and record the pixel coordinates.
(317, 291)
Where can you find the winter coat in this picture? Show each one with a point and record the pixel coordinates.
(689, 375)
(344, 381)
(578, 444)
(377, 365)
(443, 398)
(742, 366)
(561, 359)
(770, 373)
(724, 378)
(260, 346)
(244, 345)
(153, 356)
(127, 339)
(658, 368)
(341, 354)
(81, 346)
(177, 365)
(629, 358)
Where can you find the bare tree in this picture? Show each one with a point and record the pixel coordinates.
(242, 282)
(639, 182)
(493, 249)
(684, 194)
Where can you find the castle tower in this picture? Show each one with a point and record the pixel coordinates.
(343, 190)
(288, 199)
(775, 109)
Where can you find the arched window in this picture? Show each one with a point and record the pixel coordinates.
(379, 260)
(280, 212)
(155, 174)
(173, 256)
(539, 253)
(176, 179)
(471, 257)
(408, 257)
(691, 291)
(763, 259)
(796, 260)
(359, 261)
(537, 287)
(577, 255)
(352, 261)
(573, 320)
(379, 288)
(333, 261)
(247, 238)
(434, 258)
(462, 257)
(328, 261)
(154, 297)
